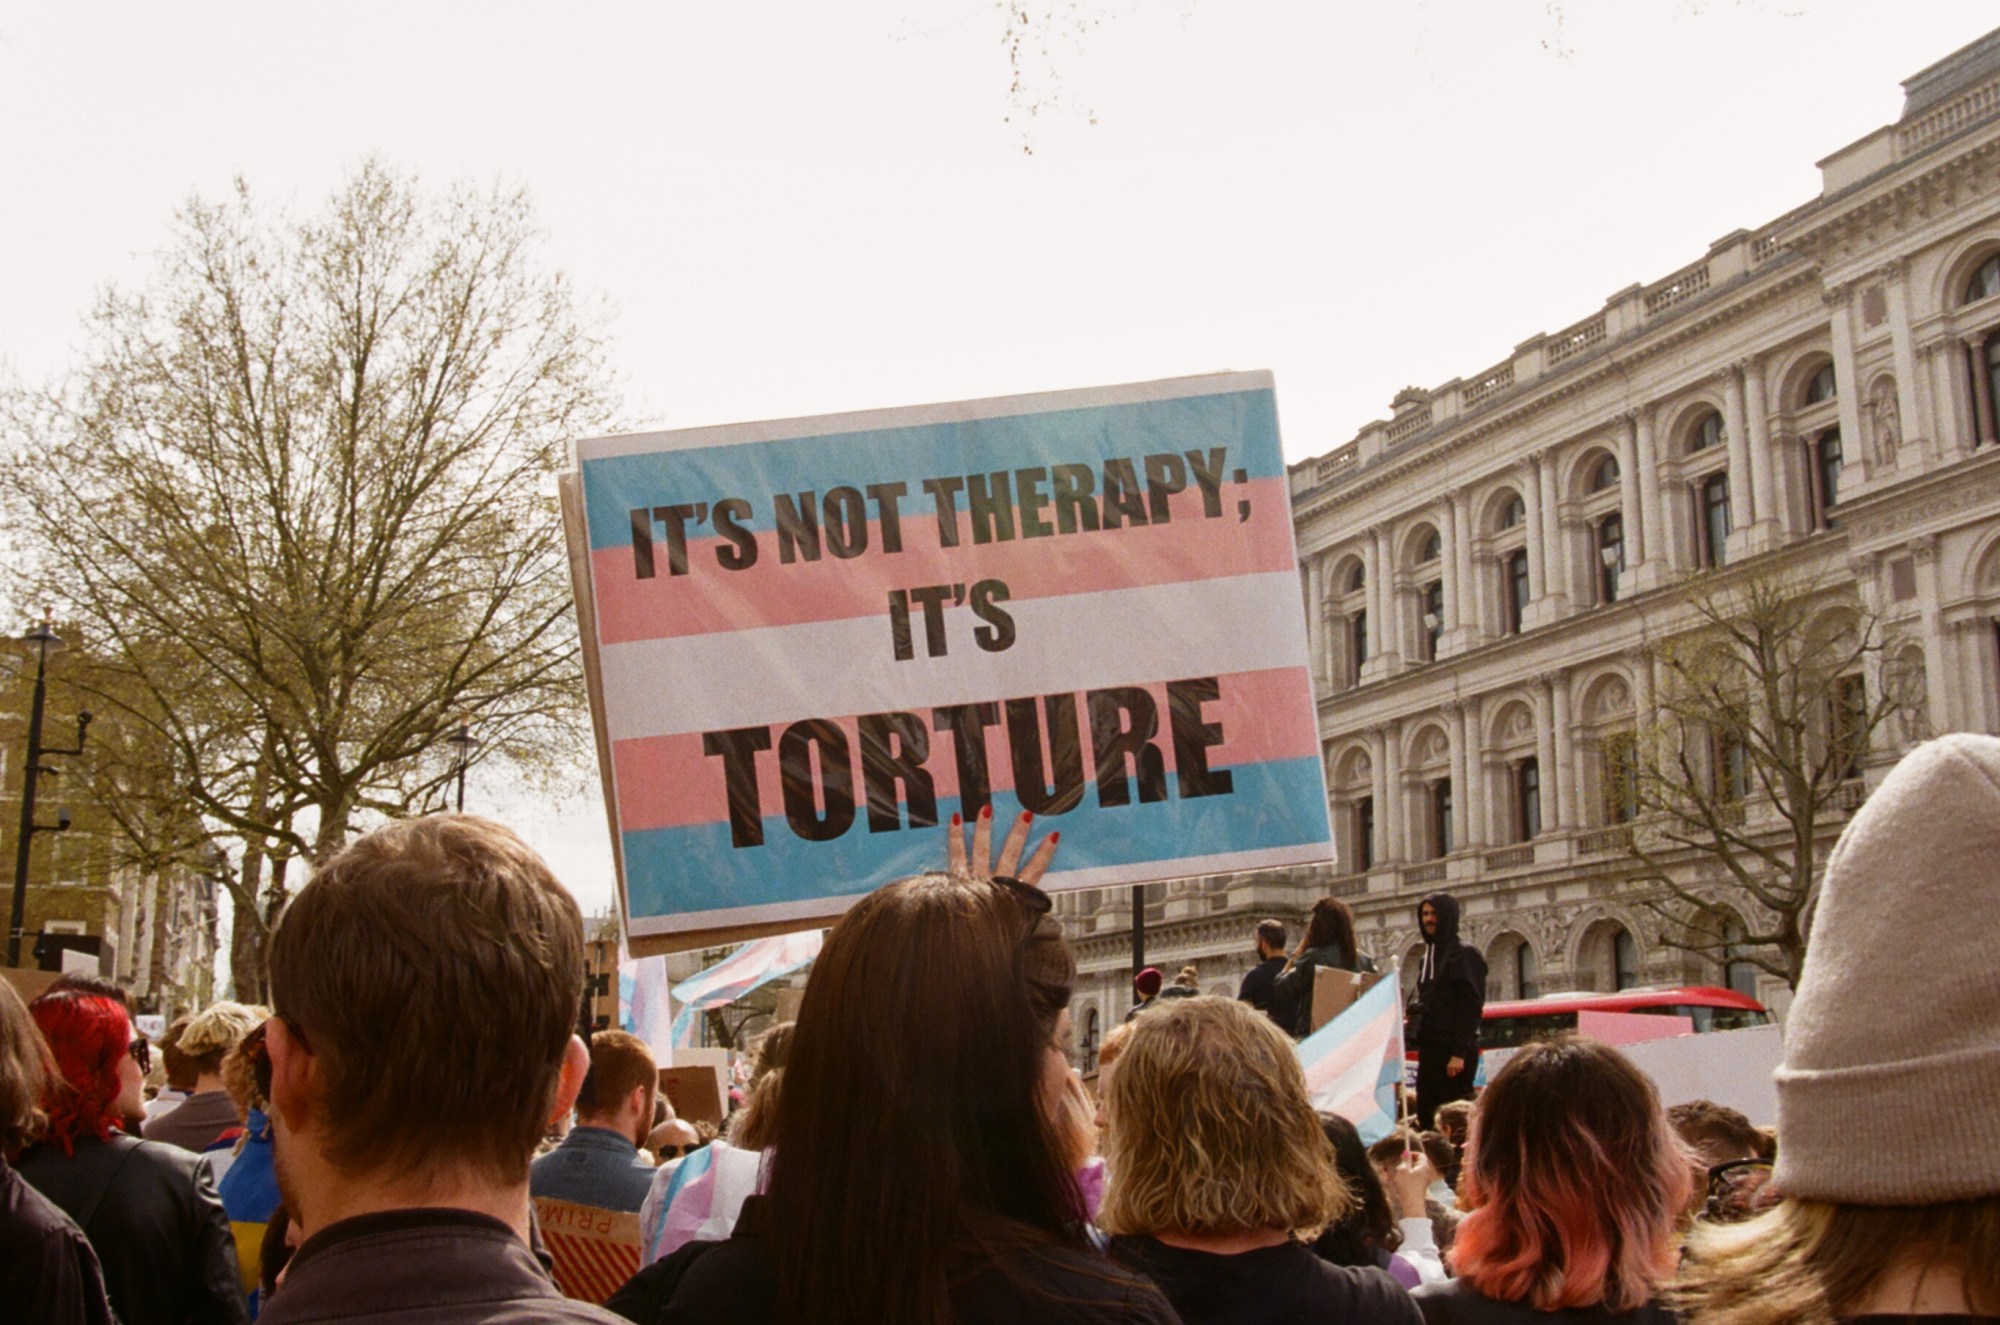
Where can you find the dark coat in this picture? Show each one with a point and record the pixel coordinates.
(1260, 983)
(1455, 1303)
(1451, 989)
(1292, 1001)
(441, 1267)
(152, 1215)
(48, 1273)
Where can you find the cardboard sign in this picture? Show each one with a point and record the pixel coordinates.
(1335, 990)
(809, 643)
(595, 1251)
(696, 1093)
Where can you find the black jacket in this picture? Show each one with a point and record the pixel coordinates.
(1260, 983)
(735, 1281)
(1451, 988)
(1262, 1287)
(1292, 1000)
(441, 1267)
(152, 1215)
(1455, 1303)
(48, 1273)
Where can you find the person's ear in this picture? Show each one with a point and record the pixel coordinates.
(575, 1067)
(296, 1081)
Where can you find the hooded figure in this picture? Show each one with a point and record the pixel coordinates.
(1444, 1018)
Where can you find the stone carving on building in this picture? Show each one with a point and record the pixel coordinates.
(1887, 420)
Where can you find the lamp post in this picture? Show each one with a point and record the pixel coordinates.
(464, 742)
(44, 638)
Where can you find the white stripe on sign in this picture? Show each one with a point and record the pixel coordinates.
(830, 669)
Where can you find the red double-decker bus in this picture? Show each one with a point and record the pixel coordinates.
(1508, 1025)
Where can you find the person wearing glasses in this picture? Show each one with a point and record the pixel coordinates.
(918, 1174)
(150, 1210)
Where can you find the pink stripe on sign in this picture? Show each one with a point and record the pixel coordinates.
(710, 600)
(667, 782)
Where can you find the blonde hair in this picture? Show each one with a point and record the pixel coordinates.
(1811, 1262)
(212, 1032)
(1114, 1045)
(1210, 1129)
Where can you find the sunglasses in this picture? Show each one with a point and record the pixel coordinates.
(141, 1051)
(1032, 899)
(675, 1152)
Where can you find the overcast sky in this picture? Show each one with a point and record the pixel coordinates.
(796, 208)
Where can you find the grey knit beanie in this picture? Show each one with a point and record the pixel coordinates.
(1890, 1089)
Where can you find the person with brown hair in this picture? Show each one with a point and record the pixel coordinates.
(917, 1175)
(1220, 1177)
(598, 1164)
(48, 1272)
(1731, 1171)
(1575, 1185)
(180, 1070)
(1442, 1022)
(1881, 1217)
(424, 984)
(1260, 982)
(1328, 942)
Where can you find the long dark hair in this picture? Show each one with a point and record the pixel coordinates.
(1332, 926)
(1369, 1232)
(913, 1144)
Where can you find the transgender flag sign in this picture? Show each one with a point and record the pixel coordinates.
(1355, 1062)
(812, 642)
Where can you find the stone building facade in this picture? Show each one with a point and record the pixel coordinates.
(1487, 571)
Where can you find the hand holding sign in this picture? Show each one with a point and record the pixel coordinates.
(1009, 865)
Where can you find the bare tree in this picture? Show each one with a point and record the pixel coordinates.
(1766, 705)
(298, 500)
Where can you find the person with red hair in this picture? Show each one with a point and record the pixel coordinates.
(1576, 1183)
(150, 1210)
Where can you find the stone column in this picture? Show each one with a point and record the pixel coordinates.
(1846, 381)
(1553, 559)
(1314, 572)
(1461, 800)
(1640, 663)
(1568, 801)
(1756, 410)
(1742, 497)
(1464, 592)
(1448, 538)
(1545, 749)
(1636, 553)
(1531, 494)
(1982, 390)
(1940, 701)
(1392, 812)
(1378, 791)
(1948, 403)
(1918, 427)
(1472, 795)
(1659, 546)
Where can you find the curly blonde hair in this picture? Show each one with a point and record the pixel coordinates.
(1210, 1129)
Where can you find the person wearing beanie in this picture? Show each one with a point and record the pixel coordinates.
(1896, 1019)
(1147, 985)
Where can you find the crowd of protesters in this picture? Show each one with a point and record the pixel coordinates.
(916, 1147)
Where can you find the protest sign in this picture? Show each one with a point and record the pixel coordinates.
(594, 1251)
(696, 1092)
(1335, 990)
(810, 642)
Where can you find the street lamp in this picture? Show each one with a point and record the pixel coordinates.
(45, 639)
(464, 742)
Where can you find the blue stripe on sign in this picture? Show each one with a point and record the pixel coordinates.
(669, 871)
(1244, 421)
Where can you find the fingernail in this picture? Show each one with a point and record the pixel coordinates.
(1027, 817)
(956, 820)
(986, 812)
(1054, 838)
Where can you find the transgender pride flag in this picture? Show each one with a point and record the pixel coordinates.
(756, 963)
(812, 641)
(1355, 1062)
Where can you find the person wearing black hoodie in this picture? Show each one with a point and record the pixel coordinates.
(1444, 1018)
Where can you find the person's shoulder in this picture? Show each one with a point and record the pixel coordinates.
(1064, 1284)
(1367, 1295)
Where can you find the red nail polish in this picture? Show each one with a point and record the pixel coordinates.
(986, 811)
(1054, 838)
(956, 821)
(1027, 817)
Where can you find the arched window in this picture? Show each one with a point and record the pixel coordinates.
(1433, 618)
(1515, 513)
(1821, 388)
(1985, 282)
(1528, 800)
(1709, 432)
(1527, 972)
(1713, 512)
(1086, 1049)
(1621, 777)
(1605, 476)
(1610, 539)
(1357, 577)
(1429, 548)
(1517, 591)
(1358, 624)
(1826, 462)
(1441, 825)
(1624, 960)
(1364, 833)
